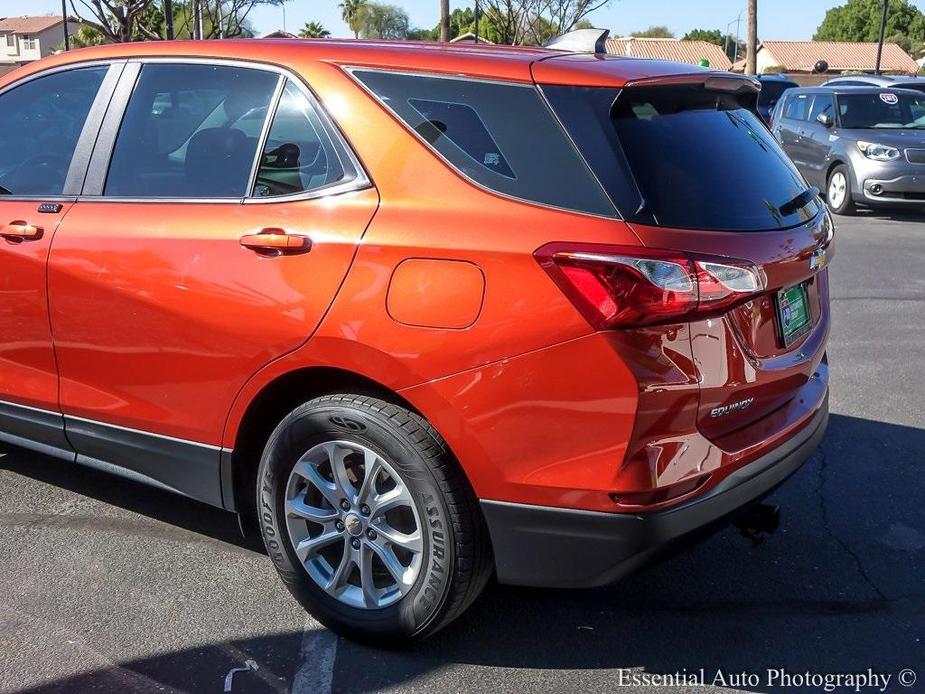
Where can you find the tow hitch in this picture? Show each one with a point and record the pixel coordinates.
(757, 521)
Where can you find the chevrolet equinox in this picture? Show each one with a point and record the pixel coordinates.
(422, 314)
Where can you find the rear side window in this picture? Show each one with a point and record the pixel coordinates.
(500, 135)
(684, 156)
(299, 155)
(40, 123)
(190, 131)
(797, 107)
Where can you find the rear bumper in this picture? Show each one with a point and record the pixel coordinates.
(565, 548)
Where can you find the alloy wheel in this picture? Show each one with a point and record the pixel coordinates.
(838, 187)
(353, 524)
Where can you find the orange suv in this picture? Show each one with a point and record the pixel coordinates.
(420, 313)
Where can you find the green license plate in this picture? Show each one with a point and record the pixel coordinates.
(793, 313)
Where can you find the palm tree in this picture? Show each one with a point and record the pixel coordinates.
(314, 30)
(350, 13)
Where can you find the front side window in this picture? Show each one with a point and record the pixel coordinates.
(500, 135)
(299, 155)
(190, 131)
(40, 123)
(823, 103)
(883, 110)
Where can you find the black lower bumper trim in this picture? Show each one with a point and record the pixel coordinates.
(566, 548)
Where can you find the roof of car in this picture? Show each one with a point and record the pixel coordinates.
(477, 60)
(851, 89)
(881, 80)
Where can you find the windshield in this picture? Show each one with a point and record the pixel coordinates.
(887, 110)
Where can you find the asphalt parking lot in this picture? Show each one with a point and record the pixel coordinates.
(109, 586)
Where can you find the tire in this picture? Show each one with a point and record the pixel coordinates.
(441, 568)
(838, 195)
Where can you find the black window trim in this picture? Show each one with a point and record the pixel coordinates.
(350, 69)
(105, 142)
(77, 172)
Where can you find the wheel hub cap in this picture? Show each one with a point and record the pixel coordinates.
(353, 524)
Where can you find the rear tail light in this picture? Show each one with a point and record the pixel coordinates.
(617, 286)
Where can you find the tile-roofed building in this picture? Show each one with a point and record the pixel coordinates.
(670, 49)
(24, 39)
(802, 56)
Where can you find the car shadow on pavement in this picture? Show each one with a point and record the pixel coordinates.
(176, 513)
(837, 590)
(892, 214)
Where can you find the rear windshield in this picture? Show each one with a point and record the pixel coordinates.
(771, 91)
(881, 110)
(684, 156)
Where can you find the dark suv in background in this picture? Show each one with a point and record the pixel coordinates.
(857, 144)
(772, 88)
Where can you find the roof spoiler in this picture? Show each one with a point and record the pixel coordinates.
(580, 41)
(712, 80)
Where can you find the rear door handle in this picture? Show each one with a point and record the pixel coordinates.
(19, 231)
(276, 242)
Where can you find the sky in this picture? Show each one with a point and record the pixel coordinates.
(777, 19)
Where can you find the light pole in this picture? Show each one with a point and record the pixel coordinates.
(880, 41)
(737, 21)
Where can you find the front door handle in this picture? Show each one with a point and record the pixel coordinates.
(276, 242)
(19, 231)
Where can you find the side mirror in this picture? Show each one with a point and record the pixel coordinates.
(825, 119)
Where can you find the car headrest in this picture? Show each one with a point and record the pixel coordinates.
(218, 162)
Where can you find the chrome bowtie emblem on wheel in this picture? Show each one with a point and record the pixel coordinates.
(354, 525)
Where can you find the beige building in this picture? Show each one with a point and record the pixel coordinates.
(796, 57)
(676, 50)
(24, 39)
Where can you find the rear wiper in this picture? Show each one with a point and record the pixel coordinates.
(799, 202)
(4, 191)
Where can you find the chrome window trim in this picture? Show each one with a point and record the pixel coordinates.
(264, 133)
(360, 182)
(350, 69)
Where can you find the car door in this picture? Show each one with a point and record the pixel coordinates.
(47, 124)
(819, 143)
(189, 262)
(793, 130)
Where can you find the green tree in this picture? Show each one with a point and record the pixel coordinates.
(728, 42)
(314, 30)
(654, 32)
(377, 21)
(350, 13)
(859, 20)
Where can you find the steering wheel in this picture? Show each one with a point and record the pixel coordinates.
(38, 169)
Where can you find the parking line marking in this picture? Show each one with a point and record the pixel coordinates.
(319, 651)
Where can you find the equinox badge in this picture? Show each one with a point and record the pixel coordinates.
(734, 407)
